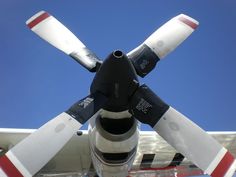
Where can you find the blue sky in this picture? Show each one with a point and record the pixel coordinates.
(198, 78)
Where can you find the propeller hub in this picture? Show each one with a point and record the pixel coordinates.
(117, 79)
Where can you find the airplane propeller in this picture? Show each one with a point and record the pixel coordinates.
(30, 155)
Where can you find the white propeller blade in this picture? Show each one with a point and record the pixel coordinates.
(181, 133)
(55, 33)
(161, 42)
(166, 38)
(32, 153)
(195, 144)
(171, 34)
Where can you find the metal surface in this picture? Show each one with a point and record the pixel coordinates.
(75, 160)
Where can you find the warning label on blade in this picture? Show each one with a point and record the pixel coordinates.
(143, 106)
(86, 102)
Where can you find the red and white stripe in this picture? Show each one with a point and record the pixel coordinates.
(10, 166)
(171, 34)
(27, 157)
(55, 33)
(37, 18)
(8, 169)
(223, 165)
(188, 21)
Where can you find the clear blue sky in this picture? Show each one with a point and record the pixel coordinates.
(37, 81)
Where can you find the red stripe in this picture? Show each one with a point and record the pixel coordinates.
(223, 166)
(7, 166)
(188, 22)
(161, 168)
(38, 20)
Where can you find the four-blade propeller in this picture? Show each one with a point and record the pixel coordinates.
(31, 154)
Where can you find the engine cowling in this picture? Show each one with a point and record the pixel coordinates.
(113, 143)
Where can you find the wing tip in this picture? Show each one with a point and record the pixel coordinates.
(188, 21)
(37, 18)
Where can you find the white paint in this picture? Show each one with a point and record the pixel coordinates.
(187, 17)
(2, 173)
(37, 149)
(18, 164)
(15, 130)
(115, 115)
(34, 17)
(169, 36)
(216, 161)
(187, 138)
(55, 33)
(231, 170)
(105, 145)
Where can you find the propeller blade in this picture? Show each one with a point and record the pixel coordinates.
(161, 42)
(31, 154)
(181, 133)
(55, 33)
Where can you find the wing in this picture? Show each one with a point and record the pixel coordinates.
(73, 160)
(156, 157)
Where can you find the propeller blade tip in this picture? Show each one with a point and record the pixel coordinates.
(225, 167)
(188, 21)
(37, 18)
